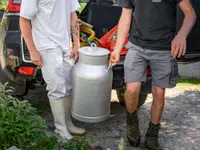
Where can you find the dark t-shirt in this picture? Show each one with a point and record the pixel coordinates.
(153, 23)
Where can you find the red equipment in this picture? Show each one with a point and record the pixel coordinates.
(108, 41)
(14, 6)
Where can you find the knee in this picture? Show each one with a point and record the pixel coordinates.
(159, 97)
(159, 102)
(56, 88)
(133, 89)
(158, 94)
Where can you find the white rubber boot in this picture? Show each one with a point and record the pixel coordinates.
(71, 127)
(58, 111)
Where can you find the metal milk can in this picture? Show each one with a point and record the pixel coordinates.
(92, 85)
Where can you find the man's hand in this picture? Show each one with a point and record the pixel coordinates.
(36, 58)
(114, 58)
(179, 42)
(74, 54)
(178, 46)
(122, 32)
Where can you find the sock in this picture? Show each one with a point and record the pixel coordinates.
(133, 113)
(151, 124)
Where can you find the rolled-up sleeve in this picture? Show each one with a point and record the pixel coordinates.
(125, 3)
(74, 5)
(28, 9)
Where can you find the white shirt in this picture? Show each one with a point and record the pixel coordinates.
(50, 20)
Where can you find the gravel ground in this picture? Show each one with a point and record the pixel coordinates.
(180, 124)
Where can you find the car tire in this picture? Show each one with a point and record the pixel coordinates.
(121, 97)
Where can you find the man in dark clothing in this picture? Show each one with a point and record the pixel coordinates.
(153, 41)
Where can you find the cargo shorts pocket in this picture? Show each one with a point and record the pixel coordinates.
(174, 72)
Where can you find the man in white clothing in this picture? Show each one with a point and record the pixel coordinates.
(46, 27)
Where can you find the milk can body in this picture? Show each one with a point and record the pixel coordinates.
(92, 85)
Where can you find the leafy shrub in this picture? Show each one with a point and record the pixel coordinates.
(79, 144)
(19, 122)
(21, 126)
(45, 143)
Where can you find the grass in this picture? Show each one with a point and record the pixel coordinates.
(189, 84)
(189, 81)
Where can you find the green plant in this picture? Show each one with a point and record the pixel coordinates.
(121, 144)
(20, 126)
(189, 81)
(19, 122)
(45, 143)
(79, 144)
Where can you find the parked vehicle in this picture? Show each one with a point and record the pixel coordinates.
(22, 74)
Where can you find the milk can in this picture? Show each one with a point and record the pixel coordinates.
(92, 85)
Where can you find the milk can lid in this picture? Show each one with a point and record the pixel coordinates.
(94, 51)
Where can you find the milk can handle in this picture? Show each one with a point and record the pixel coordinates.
(93, 45)
(109, 67)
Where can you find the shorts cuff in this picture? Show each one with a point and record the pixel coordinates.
(133, 81)
(165, 86)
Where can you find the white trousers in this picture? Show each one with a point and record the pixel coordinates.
(57, 72)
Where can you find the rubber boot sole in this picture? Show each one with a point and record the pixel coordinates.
(62, 136)
(75, 133)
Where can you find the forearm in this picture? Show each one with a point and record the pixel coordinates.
(189, 21)
(123, 29)
(27, 34)
(75, 29)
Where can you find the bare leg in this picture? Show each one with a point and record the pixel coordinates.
(132, 122)
(132, 94)
(157, 105)
(151, 138)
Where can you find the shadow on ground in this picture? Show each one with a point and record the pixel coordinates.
(180, 125)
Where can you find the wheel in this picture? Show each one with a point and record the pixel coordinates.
(20, 86)
(121, 97)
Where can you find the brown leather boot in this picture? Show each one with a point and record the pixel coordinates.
(132, 129)
(151, 139)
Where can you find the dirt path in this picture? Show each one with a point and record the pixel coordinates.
(180, 125)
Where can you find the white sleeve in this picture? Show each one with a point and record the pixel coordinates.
(74, 5)
(28, 8)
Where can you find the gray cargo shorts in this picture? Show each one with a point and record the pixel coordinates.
(163, 66)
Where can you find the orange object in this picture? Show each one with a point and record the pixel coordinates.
(109, 40)
(26, 70)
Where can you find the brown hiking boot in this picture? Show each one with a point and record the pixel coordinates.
(132, 129)
(151, 139)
